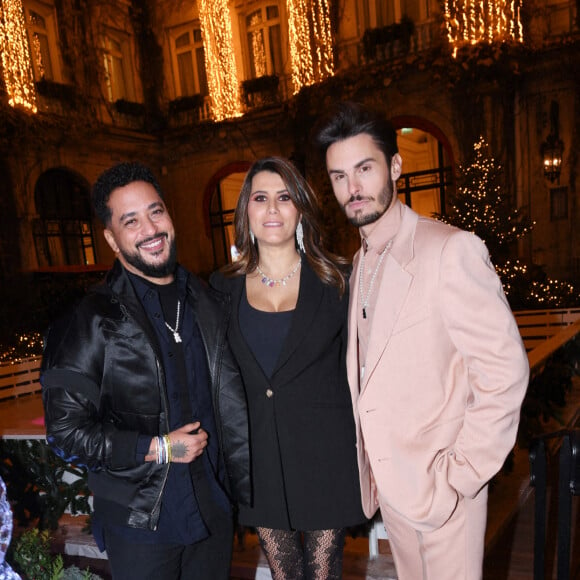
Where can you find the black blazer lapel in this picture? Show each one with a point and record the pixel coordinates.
(309, 296)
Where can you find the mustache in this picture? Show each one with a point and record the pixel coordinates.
(151, 238)
(358, 197)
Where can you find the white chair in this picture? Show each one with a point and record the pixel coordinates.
(376, 533)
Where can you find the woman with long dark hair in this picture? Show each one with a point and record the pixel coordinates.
(288, 333)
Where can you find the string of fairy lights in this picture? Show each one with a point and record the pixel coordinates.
(310, 35)
(310, 41)
(16, 60)
(220, 60)
(473, 21)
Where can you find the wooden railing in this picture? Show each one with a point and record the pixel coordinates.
(20, 378)
(540, 330)
(537, 326)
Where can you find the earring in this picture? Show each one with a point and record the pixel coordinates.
(252, 237)
(300, 237)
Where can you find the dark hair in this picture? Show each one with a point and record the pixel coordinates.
(349, 119)
(118, 176)
(331, 269)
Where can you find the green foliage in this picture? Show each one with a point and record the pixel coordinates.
(32, 558)
(384, 38)
(41, 486)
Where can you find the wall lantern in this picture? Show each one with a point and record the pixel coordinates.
(553, 147)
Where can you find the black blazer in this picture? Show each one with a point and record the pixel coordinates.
(302, 434)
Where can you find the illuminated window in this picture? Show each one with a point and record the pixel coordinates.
(380, 13)
(221, 214)
(426, 171)
(117, 65)
(264, 41)
(188, 61)
(40, 25)
(63, 234)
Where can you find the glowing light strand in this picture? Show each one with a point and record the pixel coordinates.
(474, 21)
(299, 36)
(310, 35)
(16, 59)
(322, 34)
(220, 62)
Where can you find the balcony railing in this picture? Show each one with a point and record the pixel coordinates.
(189, 110)
(553, 23)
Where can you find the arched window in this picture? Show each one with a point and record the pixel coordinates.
(426, 171)
(264, 41)
(63, 234)
(221, 214)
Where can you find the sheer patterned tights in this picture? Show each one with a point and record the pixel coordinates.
(293, 555)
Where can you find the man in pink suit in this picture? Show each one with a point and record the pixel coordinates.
(436, 365)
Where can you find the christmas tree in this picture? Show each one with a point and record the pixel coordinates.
(483, 207)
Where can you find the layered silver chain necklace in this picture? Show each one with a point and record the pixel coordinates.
(175, 331)
(365, 299)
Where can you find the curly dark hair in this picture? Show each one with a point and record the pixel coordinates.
(330, 268)
(118, 176)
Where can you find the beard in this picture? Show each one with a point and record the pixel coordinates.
(153, 270)
(384, 199)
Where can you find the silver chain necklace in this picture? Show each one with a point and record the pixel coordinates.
(175, 330)
(365, 300)
(271, 282)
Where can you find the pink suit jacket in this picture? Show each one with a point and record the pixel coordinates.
(438, 407)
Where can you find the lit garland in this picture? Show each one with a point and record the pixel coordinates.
(309, 21)
(220, 62)
(258, 48)
(322, 33)
(16, 61)
(473, 21)
(299, 35)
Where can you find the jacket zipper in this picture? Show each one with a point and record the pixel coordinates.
(157, 506)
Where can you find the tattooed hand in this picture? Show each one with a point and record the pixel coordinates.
(187, 443)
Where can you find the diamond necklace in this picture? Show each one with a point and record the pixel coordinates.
(365, 300)
(175, 331)
(271, 282)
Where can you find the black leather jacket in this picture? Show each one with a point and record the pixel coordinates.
(103, 385)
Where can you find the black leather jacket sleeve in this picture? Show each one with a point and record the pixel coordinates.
(74, 430)
(78, 428)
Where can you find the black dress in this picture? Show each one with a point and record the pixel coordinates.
(302, 433)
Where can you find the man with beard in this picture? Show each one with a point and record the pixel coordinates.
(436, 365)
(139, 386)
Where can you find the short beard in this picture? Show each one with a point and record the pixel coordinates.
(364, 220)
(154, 270)
(385, 198)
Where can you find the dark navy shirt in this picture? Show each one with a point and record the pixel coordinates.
(265, 332)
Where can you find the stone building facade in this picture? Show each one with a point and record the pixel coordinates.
(199, 89)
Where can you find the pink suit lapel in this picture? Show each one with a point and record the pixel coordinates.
(394, 286)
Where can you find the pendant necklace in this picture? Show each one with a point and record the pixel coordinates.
(175, 331)
(271, 282)
(365, 300)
